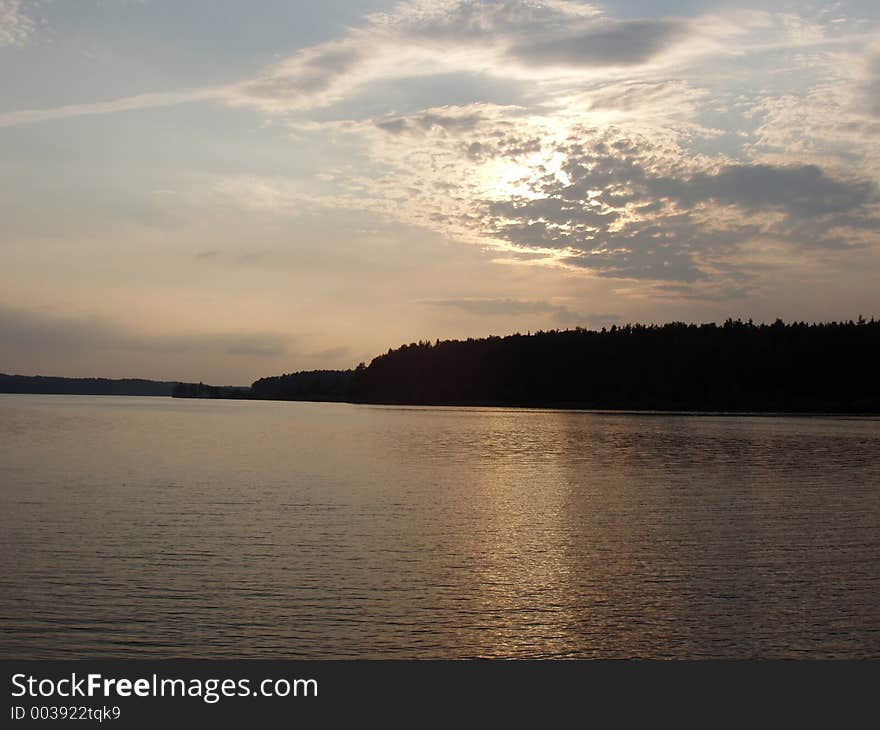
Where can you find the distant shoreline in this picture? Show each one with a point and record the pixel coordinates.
(54, 385)
(734, 368)
(537, 408)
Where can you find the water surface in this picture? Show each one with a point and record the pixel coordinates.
(151, 527)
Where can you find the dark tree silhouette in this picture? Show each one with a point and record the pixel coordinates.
(317, 385)
(83, 386)
(200, 390)
(737, 366)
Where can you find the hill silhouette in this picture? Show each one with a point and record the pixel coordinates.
(736, 366)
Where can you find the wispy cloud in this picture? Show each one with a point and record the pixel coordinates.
(541, 42)
(522, 309)
(128, 103)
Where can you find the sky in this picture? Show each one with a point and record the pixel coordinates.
(217, 190)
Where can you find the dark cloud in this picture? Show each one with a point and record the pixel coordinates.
(554, 210)
(797, 190)
(656, 262)
(476, 21)
(394, 126)
(625, 209)
(868, 91)
(37, 330)
(57, 336)
(495, 307)
(429, 120)
(309, 73)
(723, 293)
(594, 319)
(519, 308)
(624, 43)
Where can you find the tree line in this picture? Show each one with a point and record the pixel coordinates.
(83, 386)
(735, 366)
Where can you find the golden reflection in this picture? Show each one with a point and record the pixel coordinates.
(520, 564)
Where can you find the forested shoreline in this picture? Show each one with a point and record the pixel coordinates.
(736, 366)
(40, 384)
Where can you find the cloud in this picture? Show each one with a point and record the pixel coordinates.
(448, 119)
(16, 26)
(671, 153)
(129, 103)
(315, 76)
(798, 190)
(416, 39)
(540, 43)
(833, 122)
(868, 86)
(623, 212)
(60, 336)
(612, 43)
(526, 40)
(623, 201)
(619, 201)
(656, 99)
(495, 307)
(519, 308)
